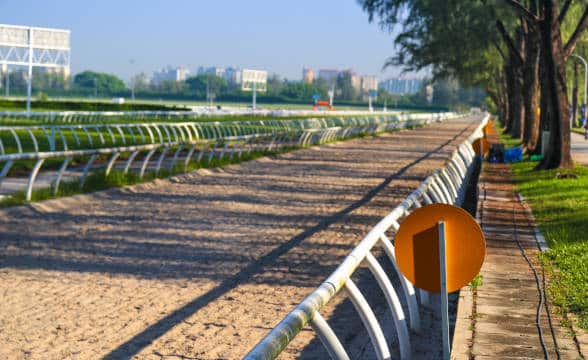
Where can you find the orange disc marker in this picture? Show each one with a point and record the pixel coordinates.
(417, 247)
(481, 142)
(488, 129)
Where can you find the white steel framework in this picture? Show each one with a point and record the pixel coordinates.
(254, 80)
(33, 46)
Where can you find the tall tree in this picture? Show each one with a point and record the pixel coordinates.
(555, 116)
(428, 38)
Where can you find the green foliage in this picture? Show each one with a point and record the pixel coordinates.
(45, 104)
(199, 85)
(41, 96)
(345, 88)
(456, 39)
(101, 82)
(476, 282)
(299, 90)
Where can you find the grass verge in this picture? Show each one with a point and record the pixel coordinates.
(561, 209)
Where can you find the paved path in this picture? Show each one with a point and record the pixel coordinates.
(202, 265)
(579, 149)
(502, 312)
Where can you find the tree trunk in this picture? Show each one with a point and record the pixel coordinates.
(554, 89)
(575, 96)
(531, 91)
(517, 109)
(509, 85)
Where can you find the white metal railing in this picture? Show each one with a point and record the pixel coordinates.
(20, 139)
(186, 149)
(447, 185)
(77, 117)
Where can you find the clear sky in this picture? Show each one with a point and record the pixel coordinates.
(126, 37)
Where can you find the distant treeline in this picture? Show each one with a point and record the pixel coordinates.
(58, 105)
(447, 94)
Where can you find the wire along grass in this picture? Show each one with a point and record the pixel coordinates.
(561, 209)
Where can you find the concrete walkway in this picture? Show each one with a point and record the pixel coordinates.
(499, 319)
(579, 149)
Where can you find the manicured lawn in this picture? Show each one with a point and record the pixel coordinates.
(561, 209)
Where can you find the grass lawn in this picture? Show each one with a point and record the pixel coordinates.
(561, 209)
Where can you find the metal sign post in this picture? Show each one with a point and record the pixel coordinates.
(253, 80)
(30, 72)
(331, 95)
(443, 294)
(372, 95)
(440, 248)
(254, 95)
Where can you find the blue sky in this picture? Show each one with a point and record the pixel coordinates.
(129, 36)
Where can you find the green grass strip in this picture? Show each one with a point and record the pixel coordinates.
(560, 206)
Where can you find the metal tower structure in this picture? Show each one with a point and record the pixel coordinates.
(34, 47)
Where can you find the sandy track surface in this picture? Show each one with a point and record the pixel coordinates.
(202, 265)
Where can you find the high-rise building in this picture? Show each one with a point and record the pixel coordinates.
(328, 75)
(402, 86)
(355, 79)
(369, 83)
(213, 70)
(170, 74)
(233, 75)
(307, 75)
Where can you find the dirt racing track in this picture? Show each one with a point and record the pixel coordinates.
(203, 265)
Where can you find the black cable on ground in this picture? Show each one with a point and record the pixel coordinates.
(537, 282)
(551, 327)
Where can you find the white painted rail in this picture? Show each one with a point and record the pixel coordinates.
(35, 138)
(176, 146)
(446, 185)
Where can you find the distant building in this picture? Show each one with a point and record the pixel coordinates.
(368, 83)
(355, 79)
(170, 74)
(231, 75)
(213, 70)
(402, 86)
(307, 76)
(328, 75)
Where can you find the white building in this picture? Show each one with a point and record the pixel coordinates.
(369, 83)
(213, 70)
(402, 86)
(170, 74)
(232, 75)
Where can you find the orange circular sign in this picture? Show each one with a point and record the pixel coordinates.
(489, 129)
(481, 142)
(417, 247)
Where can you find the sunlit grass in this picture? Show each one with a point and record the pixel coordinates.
(561, 209)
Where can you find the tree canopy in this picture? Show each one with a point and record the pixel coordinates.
(515, 50)
(102, 82)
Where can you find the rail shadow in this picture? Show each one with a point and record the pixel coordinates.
(141, 245)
